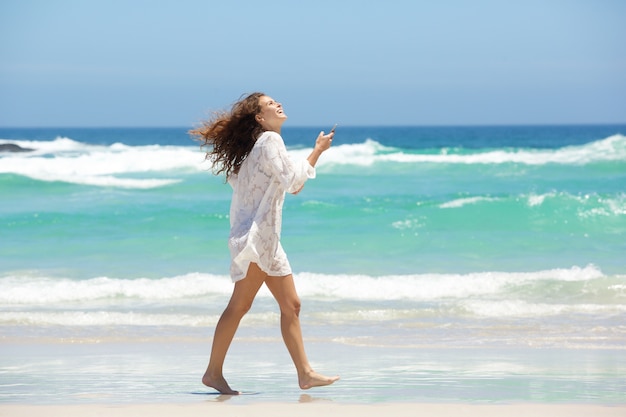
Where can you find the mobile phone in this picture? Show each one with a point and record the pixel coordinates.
(333, 129)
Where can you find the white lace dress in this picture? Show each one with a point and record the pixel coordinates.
(256, 208)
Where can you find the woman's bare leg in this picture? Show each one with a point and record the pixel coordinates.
(240, 302)
(284, 291)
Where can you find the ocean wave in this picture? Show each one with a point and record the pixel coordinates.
(69, 161)
(521, 308)
(120, 165)
(24, 290)
(195, 300)
(122, 318)
(482, 309)
(582, 206)
(433, 287)
(19, 290)
(586, 205)
(460, 202)
(609, 149)
(507, 309)
(102, 318)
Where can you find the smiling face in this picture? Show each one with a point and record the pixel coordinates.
(271, 117)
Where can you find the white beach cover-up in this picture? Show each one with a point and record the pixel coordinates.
(256, 208)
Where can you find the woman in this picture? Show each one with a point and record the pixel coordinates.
(245, 144)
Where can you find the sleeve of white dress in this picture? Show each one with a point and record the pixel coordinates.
(292, 175)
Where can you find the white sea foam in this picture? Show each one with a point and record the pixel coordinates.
(408, 224)
(69, 161)
(429, 287)
(20, 290)
(520, 308)
(612, 148)
(460, 202)
(123, 318)
(41, 291)
(103, 318)
(586, 205)
(194, 300)
(362, 154)
(536, 200)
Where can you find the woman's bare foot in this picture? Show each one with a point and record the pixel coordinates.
(313, 379)
(219, 384)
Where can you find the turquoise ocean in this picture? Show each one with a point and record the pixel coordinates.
(481, 264)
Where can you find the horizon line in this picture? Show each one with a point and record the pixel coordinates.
(310, 126)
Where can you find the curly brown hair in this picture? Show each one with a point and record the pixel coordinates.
(231, 135)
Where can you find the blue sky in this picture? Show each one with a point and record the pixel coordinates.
(169, 63)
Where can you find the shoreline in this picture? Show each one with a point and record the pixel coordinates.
(136, 374)
(316, 409)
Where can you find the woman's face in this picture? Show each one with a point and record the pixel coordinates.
(271, 116)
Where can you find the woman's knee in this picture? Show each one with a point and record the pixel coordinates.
(291, 307)
(238, 308)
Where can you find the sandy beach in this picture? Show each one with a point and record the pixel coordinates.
(316, 409)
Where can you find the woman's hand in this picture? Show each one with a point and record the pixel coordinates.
(322, 143)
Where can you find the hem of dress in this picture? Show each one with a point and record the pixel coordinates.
(238, 277)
